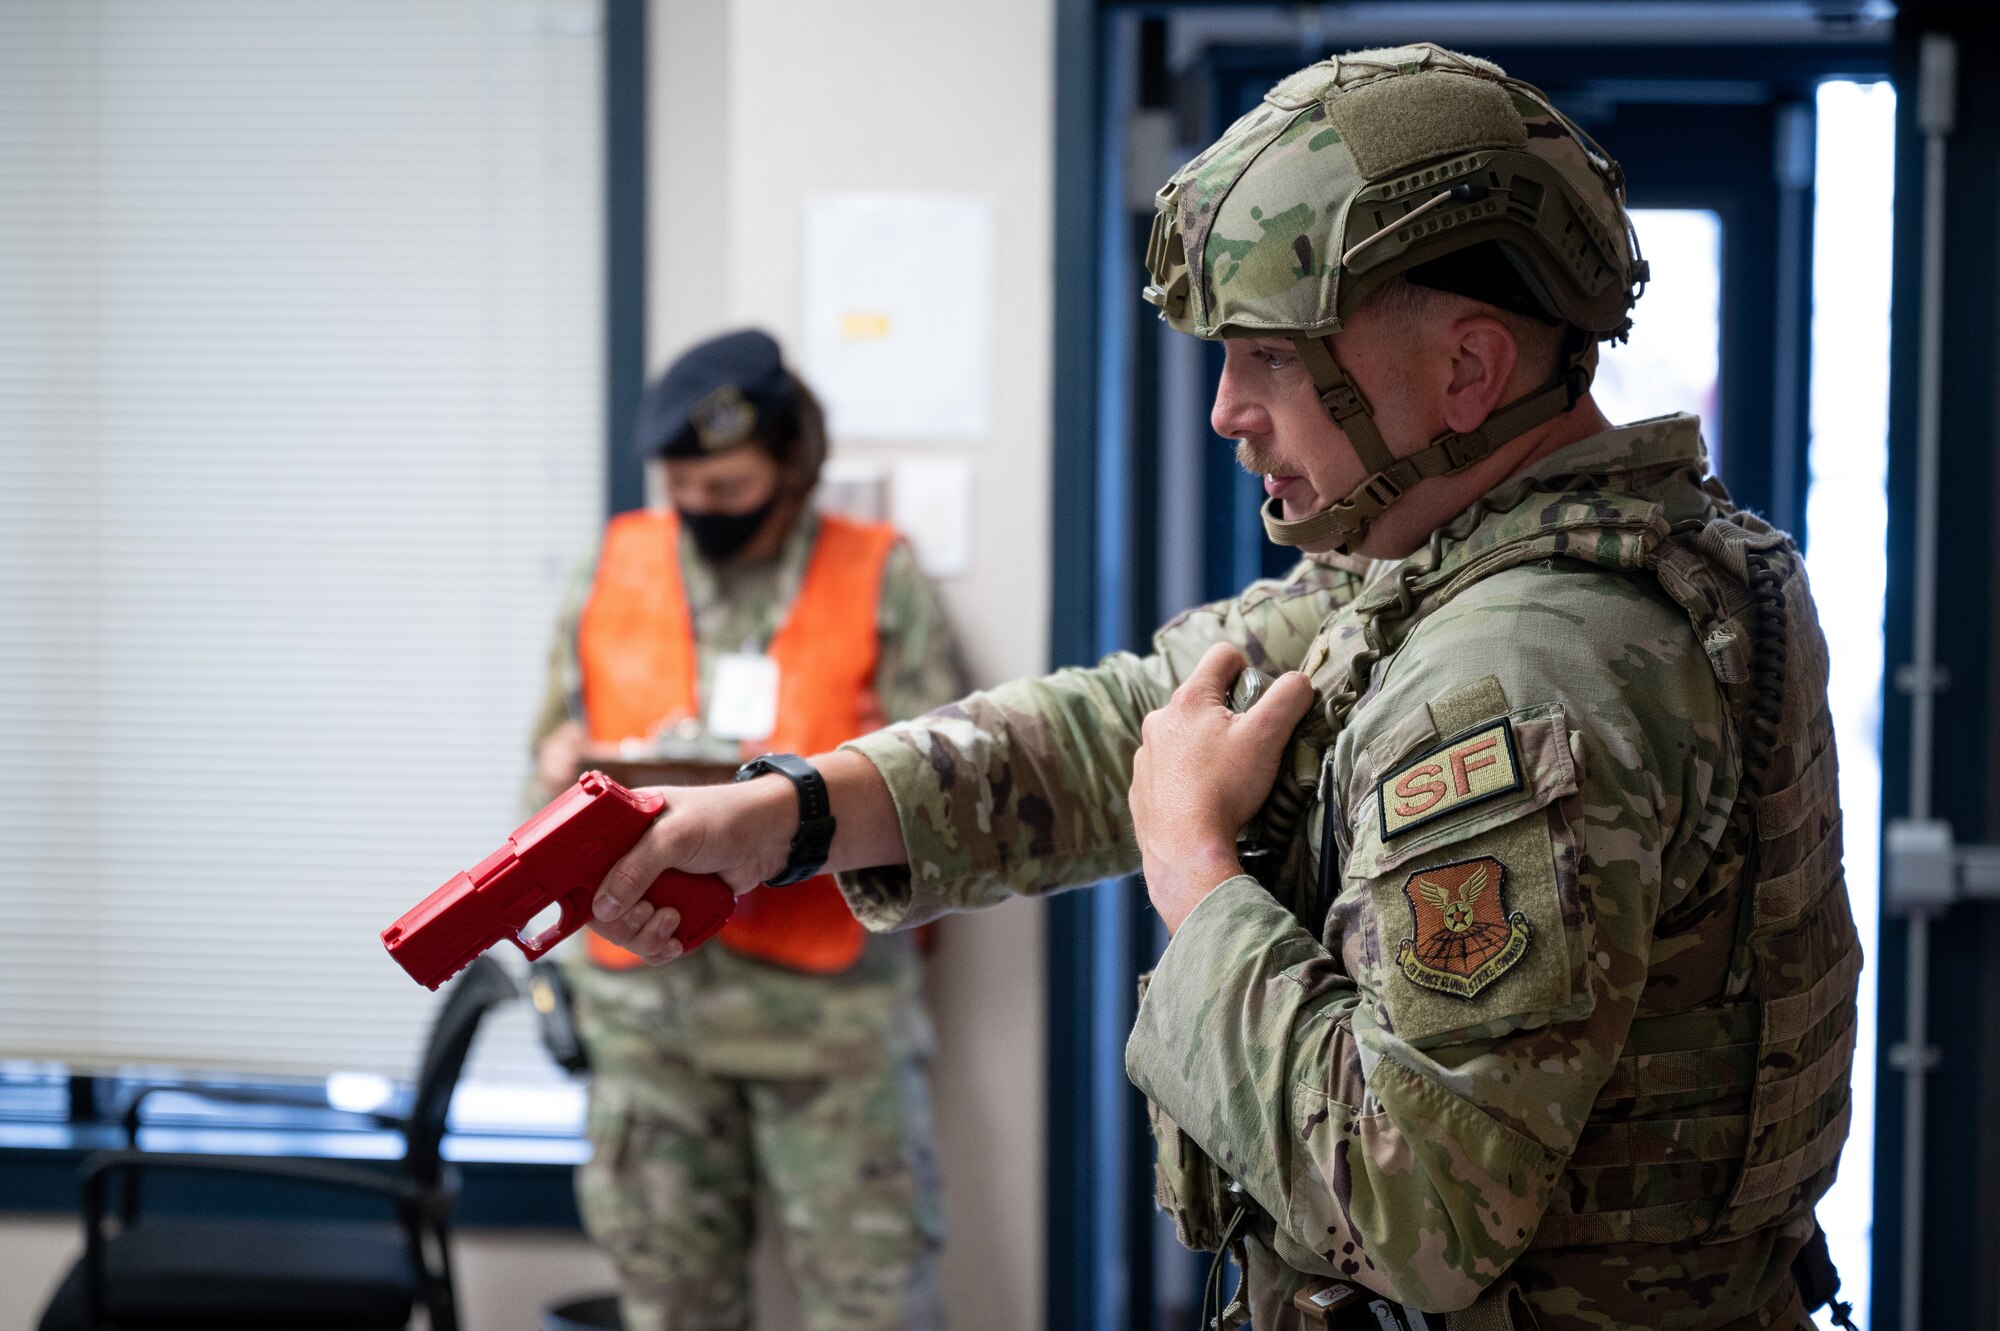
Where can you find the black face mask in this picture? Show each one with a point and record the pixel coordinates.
(720, 535)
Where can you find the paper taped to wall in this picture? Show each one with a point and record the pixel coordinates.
(898, 320)
(931, 503)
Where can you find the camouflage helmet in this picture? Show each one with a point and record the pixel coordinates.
(1364, 167)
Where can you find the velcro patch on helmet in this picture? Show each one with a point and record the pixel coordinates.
(1394, 123)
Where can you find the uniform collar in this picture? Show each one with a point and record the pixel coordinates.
(1346, 563)
(1660, 444)
(1636, 457)
(1663, 443)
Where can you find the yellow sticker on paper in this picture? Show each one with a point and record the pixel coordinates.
(863, 326)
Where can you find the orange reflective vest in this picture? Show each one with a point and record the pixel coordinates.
(636, 649)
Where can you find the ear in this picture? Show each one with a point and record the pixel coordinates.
(1483, 356)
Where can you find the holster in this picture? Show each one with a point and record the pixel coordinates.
(555, 1017)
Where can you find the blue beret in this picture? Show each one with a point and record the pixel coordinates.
(719, 395)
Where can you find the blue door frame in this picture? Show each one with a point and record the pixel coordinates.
(1961, 1169)
(625, 75)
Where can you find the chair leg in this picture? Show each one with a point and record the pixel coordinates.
(94, 1188)
(440, 1291)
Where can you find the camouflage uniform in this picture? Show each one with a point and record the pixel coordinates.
(720, 1074)
(1575, 1010)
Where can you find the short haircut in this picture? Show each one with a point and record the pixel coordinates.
(1405, 303)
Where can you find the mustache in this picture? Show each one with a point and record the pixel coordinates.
(1255, 459)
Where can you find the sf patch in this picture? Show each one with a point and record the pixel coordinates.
(1465, 938)
(1476, 766)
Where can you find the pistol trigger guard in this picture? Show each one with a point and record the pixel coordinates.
(534, 948)
(556, 858)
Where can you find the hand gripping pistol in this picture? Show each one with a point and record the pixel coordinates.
(558, 857)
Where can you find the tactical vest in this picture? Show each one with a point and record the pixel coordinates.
(637, 654)
(1720, 1120)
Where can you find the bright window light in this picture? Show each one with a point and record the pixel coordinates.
(359, 1092)
(1673, 360)
(1847, 514)
(491, 1107)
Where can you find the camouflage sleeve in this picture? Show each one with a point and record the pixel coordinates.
(562, 694)
(920, 665)
(1402, 1097)
(1022, 788)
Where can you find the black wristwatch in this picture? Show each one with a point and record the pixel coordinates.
(814, 838)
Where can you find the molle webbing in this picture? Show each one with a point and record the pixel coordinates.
(1668, 1129)
(1679, 1117)
(1803, 952)
(1798, 956)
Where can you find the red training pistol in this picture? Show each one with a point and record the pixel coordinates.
(558, 857)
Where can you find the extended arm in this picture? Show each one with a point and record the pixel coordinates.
(1020, 788)
(1023, 789)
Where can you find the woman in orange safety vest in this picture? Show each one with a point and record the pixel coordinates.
(787, 1058)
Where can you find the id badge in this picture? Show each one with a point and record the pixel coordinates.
(743, 697)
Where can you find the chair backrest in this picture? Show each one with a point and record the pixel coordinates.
(483, 986)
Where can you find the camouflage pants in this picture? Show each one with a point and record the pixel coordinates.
(846, 1162)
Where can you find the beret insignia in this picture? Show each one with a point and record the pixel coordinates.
(723, 419)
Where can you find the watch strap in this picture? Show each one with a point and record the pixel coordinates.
(814, 839)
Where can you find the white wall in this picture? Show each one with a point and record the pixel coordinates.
(756, 105)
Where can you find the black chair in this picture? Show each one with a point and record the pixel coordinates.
(177, 1273)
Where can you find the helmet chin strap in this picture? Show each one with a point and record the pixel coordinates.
(1346, 521)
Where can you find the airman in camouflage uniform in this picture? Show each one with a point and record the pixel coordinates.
(1540, 1011)
(727, 1078)
(1580, 1121)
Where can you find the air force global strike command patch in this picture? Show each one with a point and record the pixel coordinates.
(1464, 938)
(1475, 766)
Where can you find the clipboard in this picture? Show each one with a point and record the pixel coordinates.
(655, 770)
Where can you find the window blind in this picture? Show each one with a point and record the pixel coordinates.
(300, 435)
